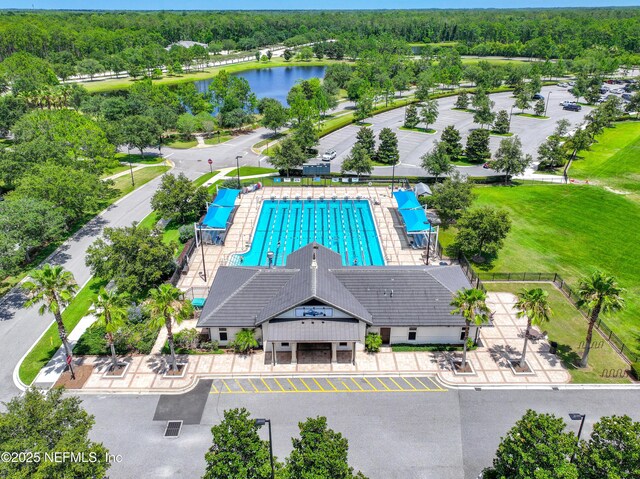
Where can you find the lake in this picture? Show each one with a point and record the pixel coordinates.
(272, 82)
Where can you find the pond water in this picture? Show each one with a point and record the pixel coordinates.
(272, 82)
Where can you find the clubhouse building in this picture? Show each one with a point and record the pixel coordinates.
(314, 309)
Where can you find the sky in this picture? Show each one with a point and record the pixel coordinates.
(299, 5)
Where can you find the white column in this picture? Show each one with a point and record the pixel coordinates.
(293, 353)
(353, 353)
(273, 353)
(334, 352)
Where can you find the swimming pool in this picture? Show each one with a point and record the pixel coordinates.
(343, 225)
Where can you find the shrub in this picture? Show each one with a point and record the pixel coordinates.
(137, 314)
(230, 184)
(244, 341)
(185, 233)
(131, 338)
(372, 342)
(635, 368)
(187, 338)
(209, 346)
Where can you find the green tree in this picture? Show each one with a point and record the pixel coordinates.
(483, 115)
(187, 124)
(536, 447)
(452, 197)
(90, 66)
(502, 125)
(166, 306)
(522, 101)
(551, 153)
(12, 108)
(581, 140)
(598, 293)
(320, 452)
(429, 113)
(26, 73)
(25, 225)
(411, 118)
(244, 341)
(477, 149)
(481, 231)
(75, 192)
(178, 199)
(509, 158)
(471, 304)
(305, 134)
(366, 139)
(288, 155)
(388, 148)
(532, 304)
(462, 102)
(48, 423)
(364, 106)
(539, 108)
(613, 450)
(287, 55)
(425, 82)
(111, 309)
(135, 258)
(54, 288)
(437, 162)
(358, 161)
(237, 450)
(140, 132)
(274, 116)
(451, 142)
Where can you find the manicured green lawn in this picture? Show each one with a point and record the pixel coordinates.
(250, 171)
(571, 230)
(140, 177)
(430, 131)
(182, 145)
(217, 140)
(271, 139)
(139, 160)
(614, 160)
(201, 179)
(44, 349)
(531, 115)
(569, 328)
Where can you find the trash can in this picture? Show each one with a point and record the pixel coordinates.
(553, 347)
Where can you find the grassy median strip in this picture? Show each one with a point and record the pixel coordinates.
(46, 347)
(140, 177)
(569, 329)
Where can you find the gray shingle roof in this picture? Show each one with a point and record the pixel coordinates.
(383, 296)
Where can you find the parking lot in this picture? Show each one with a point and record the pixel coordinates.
(280, 385)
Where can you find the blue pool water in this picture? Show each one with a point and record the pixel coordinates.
(345, 226)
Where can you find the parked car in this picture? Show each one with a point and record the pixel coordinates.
(486, 166)
(626, 96)
(563, 85)
(604, 90)
(572, 107)
(538, 96)
(329, 155)
(567, 102)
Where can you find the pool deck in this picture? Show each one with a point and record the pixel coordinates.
(392, 237)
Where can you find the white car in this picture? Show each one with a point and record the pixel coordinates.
(563, 85)
(329, 155)
(567, 102)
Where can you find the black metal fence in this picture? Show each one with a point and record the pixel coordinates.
(568, 291)
(182, 263)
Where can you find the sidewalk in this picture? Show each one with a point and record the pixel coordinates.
(500, 343)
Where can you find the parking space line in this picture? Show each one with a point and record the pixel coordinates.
(373, 388)
(254, 386)
(331, 384)
(383, 384)
(320, 387)
(266, 385)
(347, 388)
(400, 388)
(213, 386)
(411, 385)
(425, 386)
(292, 385)
(436, 385)
(225, 383)
(279, 385)
(240, 386)
(305, 384)
(356, 383)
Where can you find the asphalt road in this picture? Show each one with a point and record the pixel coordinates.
(430, 435)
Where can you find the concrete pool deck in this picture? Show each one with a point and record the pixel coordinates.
(393, 239)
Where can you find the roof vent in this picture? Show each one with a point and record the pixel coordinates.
(391, 294)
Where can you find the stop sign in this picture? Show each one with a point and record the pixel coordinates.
(68, 359)
(210, 161)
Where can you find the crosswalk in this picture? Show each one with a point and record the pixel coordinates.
(333, 384)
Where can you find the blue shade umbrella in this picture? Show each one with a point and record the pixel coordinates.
(226, 197)
(406, 200)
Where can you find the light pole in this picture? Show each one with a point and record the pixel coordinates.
(261, 422)
(393, 178)
(575, 416)
(204, 269)
(238, 168)
(511, 114)
(547, 104)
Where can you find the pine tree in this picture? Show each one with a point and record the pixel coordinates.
(367, 140)
(451, 142)
(388, 149)
(411, 118)
(462, 102)
(478, 146)
(502, 125)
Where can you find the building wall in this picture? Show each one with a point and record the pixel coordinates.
(214, 334)
(426, 334)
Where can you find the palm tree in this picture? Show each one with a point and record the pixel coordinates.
(166, 305)
(598, 293)
(111, 309)
(534, 304)
(54, 287)
(471, 304)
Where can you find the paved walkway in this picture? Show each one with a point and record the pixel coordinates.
(500, 343)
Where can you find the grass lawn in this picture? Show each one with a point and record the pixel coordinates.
(182, 145)
(271, 139)
(139, 160)
(569, 328)
(44, 349)
(250, 171)
(430, 131)
(613, 160)
(216, 140)
(571, 230)
(531, 115)
(140, 177)
(201, 179)
(493, 133)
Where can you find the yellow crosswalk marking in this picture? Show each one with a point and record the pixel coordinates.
(383, 384)
(279, 385)
(225, 383)
(292, 385)
(356, 383)
(254, 386)
(331, 384)
(305, 384)
(240, 386)
(373, 388)
(400, 388)
(318, 384)
(410, 385)
(425, 386)
(266, 385)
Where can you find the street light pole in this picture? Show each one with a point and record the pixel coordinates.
(238, 168)
(262, 422)
(393, 178)
(577, 417)
(511, 114)
(133, 183)
(547, 104)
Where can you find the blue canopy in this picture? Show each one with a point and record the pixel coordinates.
(217, 217)
(226, 197)
(415, 220)
(406, 200)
